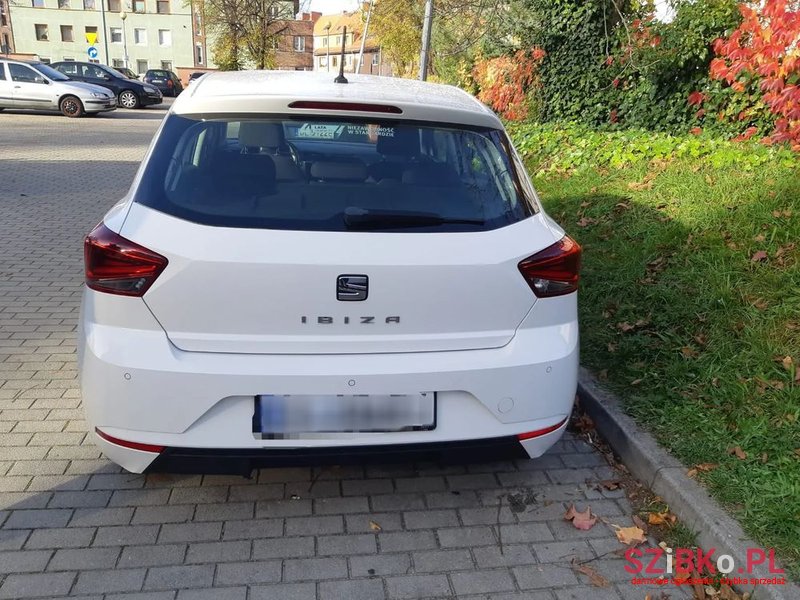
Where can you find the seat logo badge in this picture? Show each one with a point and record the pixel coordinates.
(350, 288)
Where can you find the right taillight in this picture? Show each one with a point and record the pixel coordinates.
(118, 266)
(554, 270)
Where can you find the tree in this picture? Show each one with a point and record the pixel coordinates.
(245, 32)
(458, 27)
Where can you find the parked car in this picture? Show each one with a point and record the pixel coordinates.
(28, 84)
(129, 92)
(305, 270)
(126, 72)
(196, 75)
(166, 81)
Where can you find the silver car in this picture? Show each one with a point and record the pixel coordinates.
(25, 84)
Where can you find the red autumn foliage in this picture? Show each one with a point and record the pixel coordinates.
(506, 80)
(766, 49)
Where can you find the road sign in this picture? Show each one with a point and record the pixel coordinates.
(91, 39)
(92, 52)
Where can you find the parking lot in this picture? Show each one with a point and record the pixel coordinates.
(74, 525)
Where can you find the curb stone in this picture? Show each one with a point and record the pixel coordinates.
(667, 477)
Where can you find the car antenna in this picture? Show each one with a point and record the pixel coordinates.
(341, 78)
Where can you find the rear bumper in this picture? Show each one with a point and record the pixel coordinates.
(138, 387)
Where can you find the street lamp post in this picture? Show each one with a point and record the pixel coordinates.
(328, 46)
(123, 16)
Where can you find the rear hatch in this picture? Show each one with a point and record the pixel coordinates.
(330, 237)
(251, 291)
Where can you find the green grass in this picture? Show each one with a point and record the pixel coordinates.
(680, 319)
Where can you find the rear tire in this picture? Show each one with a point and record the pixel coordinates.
(128, 99)
(71, 107)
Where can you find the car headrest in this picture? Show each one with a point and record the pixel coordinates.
(258, 134)
(404, 142)
(338, 170)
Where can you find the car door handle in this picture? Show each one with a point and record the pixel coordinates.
(16, 87)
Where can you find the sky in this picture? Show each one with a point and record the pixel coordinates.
(663, 10)
(328, 6)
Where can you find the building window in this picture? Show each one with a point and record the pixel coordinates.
(273, 11)
(166, 65)
(116, 35)
(325, 41)
(66, 33)
(323, 61)
(44, 60)
(69, 59)
(375, 57)
(41, 33)
(335, 61)
(141, 66)
(63, 3)
(299, 43)
(88, 4)
(3, 18)
(162, 7)
(6, 44)
(338, 41)
(198, 51)
(117, 63)
(114, 6)
(198, 22)
(90, 29)
(164, 37)
(140, 37)
(138, 6)
(37, 3)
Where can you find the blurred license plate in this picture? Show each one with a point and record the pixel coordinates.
(279, 416)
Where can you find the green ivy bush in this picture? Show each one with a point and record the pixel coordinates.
(567, 147)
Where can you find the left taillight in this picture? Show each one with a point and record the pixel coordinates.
(553, 271)
(118, 266)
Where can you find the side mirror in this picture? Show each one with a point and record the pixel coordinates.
(40, 79)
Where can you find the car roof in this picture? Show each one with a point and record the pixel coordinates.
(272, 91)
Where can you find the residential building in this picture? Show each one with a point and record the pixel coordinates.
(157, 34)
(328, 33)
(6, 34)
(294, 43)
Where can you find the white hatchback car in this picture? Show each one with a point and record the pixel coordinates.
(305, 270)
(27, 84)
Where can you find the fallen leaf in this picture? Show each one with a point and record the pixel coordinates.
(759, 256)
(787, 362)
(610, 484)
(624, 326)
(630, 536)
(611, 347)
(374, 526)
(661, 518)
(738, 452)
(759, 238)
(595, 578)
(636, 381)
(705, 467)
(585, 222)
(688, 352)
(580, 520)
(603, 375)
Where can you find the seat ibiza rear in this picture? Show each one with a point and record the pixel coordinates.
(305, 270)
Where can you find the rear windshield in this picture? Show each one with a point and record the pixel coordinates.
(333, 175)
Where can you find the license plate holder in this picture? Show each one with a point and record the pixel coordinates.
(288, 416)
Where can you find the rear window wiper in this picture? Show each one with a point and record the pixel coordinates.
(362, 218)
